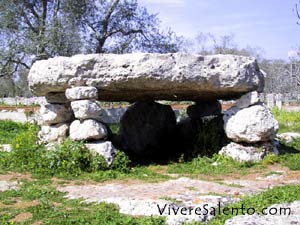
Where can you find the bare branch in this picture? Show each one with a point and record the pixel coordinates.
(31, 8)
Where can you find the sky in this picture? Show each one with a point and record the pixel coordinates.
(268, 24)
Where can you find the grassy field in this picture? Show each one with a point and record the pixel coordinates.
(39, 200)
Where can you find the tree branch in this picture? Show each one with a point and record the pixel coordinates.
(31, 8)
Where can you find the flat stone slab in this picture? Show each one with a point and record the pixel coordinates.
(145, 76)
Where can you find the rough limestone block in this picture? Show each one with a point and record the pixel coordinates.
(247, 153)
(79, 93)
(86, 109)
(56, 98)
(104, 148)
(253, 124)
(5, 147)
(87, 130)
(55, 113)
(146, 76)
(53, 133)
(247, 100)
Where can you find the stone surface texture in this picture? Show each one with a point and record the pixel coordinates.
(87, 130)
(293, 219)
(5, 147)
(146, 76)
(247, 100)
(86, 109)
(253, 124)
(247, 153)
(8, 185)
(289, 136)
(80, 93)
(56, 98)
(53, 133)
(104, 148)
(55, 113)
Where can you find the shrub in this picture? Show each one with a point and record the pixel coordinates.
(73, 158)
(121, 162)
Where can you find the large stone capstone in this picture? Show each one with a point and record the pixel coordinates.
(145, 76)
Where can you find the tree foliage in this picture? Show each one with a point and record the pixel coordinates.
(31, 30)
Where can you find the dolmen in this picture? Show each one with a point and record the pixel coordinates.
(73, 86)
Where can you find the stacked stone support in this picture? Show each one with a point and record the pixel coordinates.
(252, 129)
(56, 116)
(76, 114)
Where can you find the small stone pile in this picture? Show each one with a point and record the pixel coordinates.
(251, 127)
(76, 114)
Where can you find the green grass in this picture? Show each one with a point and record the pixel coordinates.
(52, 208)
(288, 121)
(9, 130)
(217, 165)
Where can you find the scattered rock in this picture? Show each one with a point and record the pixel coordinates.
(53, 133)
(246, 153)
(251, 125)
(202, 109)
(5, 185)
(146, 129)
(86, 109)
(104, 148)
(81, 93)
(87, 130)
(56, 98)
(292, 219)
(247, 100)
(55, 113)
(5, 148)
(145, 76)
(289, 136)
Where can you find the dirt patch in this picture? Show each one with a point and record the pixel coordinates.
(20, 204)
(21, 217)
(16, 176)
(25, 108)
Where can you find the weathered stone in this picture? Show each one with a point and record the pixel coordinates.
(87, 130)
(53, 133)
(56, 98)
(80, 93)
(145, 76)
(146, 129)
(253, 124)
(86, 109)
(279, 214)
(55, 113)
(6, 186)
(247, 153)
(5, 147)
(289, 136)
(202, 109)
(103, 148)
(247, 100)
